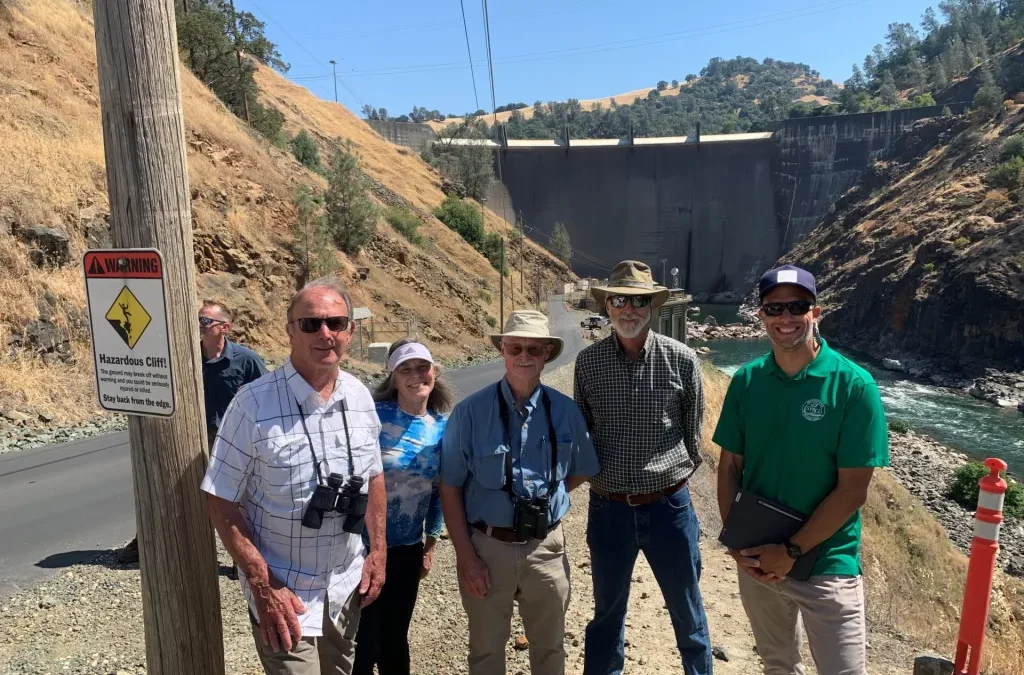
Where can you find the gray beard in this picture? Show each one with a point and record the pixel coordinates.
(630, 333)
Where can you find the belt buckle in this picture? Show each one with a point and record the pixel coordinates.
(629, 500)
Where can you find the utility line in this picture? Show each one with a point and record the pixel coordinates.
(316, 60)
(472, 74)
(618, 45)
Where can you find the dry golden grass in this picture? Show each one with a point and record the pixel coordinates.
(914, 576)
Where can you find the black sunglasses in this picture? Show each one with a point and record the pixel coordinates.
(312, 324)
(536, 351)
(795, 307)
(619, 301)
(206, 321)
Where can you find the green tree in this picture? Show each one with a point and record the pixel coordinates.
(311, 243)
(662, 85)
(923, 100)
(989, 97)
(351, 215)
(464, 218)
(467, 165)
(560, 243)
(306, 151)
(887, 93)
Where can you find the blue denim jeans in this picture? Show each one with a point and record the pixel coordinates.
(667, 533)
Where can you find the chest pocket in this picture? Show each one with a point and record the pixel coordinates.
(288, 474)
(564, 458)
(489, 465)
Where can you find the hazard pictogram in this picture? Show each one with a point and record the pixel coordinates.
(128, 317)
(96, 267)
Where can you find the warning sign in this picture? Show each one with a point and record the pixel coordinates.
(130, 340)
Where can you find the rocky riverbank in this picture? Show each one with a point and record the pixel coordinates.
(925, 467)
(709, 329)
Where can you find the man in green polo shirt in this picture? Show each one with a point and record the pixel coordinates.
(803, 426)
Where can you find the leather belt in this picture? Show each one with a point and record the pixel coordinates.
(644, 498)
(504, 534)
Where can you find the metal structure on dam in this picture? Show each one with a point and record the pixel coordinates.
(721, 208)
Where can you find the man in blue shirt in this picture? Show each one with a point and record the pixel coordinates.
(510, 455)
(226, 367)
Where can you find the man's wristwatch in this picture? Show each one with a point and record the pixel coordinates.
(792, 550)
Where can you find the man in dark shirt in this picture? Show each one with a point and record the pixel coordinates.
(226, 367)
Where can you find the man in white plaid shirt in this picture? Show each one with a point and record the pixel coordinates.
(283, 436)
(640, 393)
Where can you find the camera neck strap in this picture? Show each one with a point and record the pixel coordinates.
(348, 441)
(503, 412)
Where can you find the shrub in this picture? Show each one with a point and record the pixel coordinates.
(269, 122)
(492, 247)
(923, 100)
(928, 267)
(1007, 174)
(306, 151)
(961, 242)
(560, 243)
(464, 218)
(898, 426)
(491, 321)
(484, 295)
(351, 215)
(963, 489)
(1013, 147)
(405, 223)
(946, 112)
(989, 98)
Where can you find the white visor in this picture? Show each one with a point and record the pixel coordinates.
(412, 350)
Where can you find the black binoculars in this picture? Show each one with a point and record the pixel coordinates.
(531, 518)
(341, 496)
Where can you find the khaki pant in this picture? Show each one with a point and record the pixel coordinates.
(832, 610)
(536, 574)
(334, 653)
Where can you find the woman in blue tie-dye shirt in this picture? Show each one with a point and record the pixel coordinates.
(413, 405)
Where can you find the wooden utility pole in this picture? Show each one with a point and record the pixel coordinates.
(522, 245)
(147, 179)
(238, 57)
(501, 286)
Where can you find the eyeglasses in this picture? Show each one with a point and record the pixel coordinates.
(536, 351)
(206, 321)
(795, 307)
(638, 301)
(311, 324)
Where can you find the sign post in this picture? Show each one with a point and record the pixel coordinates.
(143, 311)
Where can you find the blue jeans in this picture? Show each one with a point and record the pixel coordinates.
(667, 533)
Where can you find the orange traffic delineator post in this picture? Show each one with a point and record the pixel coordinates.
(980, 570)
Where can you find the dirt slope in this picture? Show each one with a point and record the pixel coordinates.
(52, 175)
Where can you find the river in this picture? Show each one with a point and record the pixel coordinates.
(956, 420)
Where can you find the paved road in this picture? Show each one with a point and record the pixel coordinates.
(59, 504)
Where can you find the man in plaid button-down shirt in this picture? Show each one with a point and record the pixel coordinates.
(640, 393)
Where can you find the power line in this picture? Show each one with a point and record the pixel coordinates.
(618, 45)
(472, 74)
(316, 60)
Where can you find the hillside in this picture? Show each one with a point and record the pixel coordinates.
(925, 257)
(52, 177)
(731, 95)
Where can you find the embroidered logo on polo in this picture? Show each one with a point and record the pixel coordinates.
(813, 410)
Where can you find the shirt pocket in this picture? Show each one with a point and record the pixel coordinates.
(564, 457)
(668, 408)
(489, 466)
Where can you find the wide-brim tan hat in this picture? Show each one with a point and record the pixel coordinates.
(528, 323)
(630, 277)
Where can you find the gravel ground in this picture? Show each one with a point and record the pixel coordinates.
(88, 619)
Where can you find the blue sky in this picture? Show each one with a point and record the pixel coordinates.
(402, 53)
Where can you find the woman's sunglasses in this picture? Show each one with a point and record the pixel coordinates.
(638, 301)
(795, 307)
(312, 324)
(536, 351)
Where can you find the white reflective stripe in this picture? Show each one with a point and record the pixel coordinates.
(990, 500)
(985, 530)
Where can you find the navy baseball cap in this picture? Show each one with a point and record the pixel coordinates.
(787, 274)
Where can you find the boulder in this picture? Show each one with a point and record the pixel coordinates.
(710, 321)
(726, 298)
(50, 246)
(892, 364)
(931, 664)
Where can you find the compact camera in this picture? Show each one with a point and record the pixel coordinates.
(341, 496)
(531, 518)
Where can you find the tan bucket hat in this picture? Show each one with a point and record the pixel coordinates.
(630, 277)
(528, 323)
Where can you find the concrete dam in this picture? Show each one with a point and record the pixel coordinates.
(720, 208)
